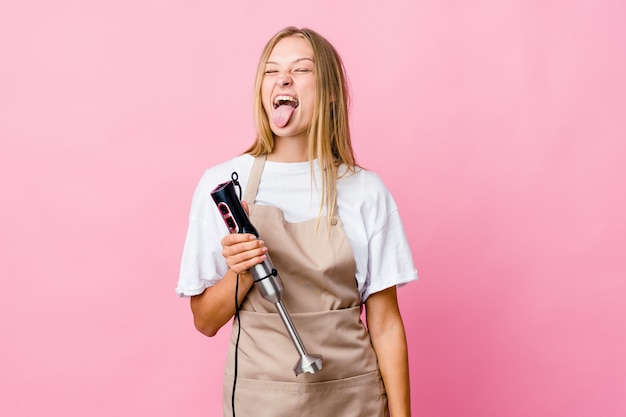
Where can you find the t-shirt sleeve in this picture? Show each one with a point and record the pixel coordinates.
(389, 258)
(202, 264)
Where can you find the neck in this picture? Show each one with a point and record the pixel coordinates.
(287, 149)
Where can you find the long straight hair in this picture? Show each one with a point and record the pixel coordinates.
(329, 133)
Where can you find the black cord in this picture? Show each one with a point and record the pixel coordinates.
(235, 177)
(238, 318)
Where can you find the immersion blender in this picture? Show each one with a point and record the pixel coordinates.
(266, 278)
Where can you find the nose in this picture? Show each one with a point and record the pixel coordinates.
(283, 80)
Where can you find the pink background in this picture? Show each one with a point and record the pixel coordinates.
(499, 127)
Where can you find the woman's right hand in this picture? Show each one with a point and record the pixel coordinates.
(243, 251)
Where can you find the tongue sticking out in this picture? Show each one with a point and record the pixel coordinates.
(282, 114)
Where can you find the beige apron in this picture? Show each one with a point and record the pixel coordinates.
(321, 295)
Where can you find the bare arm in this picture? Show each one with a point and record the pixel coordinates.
(216, 305)
(389, 340)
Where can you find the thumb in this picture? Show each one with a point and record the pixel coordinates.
(244, 204)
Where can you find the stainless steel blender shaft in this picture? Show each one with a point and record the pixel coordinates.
(270, 286)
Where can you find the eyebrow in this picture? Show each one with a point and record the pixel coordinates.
(294, 62)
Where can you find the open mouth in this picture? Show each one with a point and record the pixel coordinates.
(284, 106)
(285, 101)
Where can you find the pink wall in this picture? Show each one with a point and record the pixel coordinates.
(499, 126)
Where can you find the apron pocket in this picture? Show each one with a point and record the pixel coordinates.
(358, 396)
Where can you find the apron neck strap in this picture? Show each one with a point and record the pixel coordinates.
(255, 178)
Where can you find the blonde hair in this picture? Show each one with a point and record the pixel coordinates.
(329, 134)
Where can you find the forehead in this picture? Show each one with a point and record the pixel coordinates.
(290, 49)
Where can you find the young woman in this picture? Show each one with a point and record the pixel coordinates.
(334, 235)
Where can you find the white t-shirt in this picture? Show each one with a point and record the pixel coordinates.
(367, 210)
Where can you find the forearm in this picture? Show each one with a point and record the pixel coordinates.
(389, 341)
(216, 305)
(392, 353)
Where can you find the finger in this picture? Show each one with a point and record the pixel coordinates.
(254, 246)
(236, 238)
(243, 251)
(244, 204)
(244, 266)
